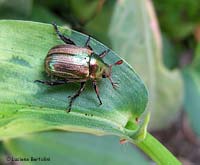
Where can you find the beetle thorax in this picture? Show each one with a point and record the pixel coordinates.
(98, 68)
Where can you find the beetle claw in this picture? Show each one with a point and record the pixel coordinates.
(68, 109)
(115, 85)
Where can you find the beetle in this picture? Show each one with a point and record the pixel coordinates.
(70, 63)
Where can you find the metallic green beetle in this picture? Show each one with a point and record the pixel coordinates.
(72, 63)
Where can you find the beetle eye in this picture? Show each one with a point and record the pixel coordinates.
(103, 76)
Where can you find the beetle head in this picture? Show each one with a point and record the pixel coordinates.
(108, 71)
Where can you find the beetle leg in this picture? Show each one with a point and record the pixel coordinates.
(97, 91)
(62, 37)
(114, 84)
(72, 98)
(104, 53)
(51, 83)
(87, 44)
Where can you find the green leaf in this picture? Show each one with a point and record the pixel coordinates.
(191, 76)
(135, 36)
(74, 148)
(28, 107)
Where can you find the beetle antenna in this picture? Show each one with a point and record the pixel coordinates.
(117, 63)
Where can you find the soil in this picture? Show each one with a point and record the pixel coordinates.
(181, 141)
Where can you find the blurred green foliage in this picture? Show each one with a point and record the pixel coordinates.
(136, 42)
(179, 21)
(178, 18)
(11, 9)
(191, 76)
(91, 17)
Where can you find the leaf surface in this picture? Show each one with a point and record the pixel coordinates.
(74, 148)
(28, 107)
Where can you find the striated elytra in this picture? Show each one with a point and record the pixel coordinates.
(69, 63)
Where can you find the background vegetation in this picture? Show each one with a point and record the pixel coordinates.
(161, 42)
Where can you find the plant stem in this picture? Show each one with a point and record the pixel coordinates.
(156, 151)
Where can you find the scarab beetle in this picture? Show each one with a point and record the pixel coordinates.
(70, 63)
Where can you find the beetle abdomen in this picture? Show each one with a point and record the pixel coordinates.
(69, 66)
